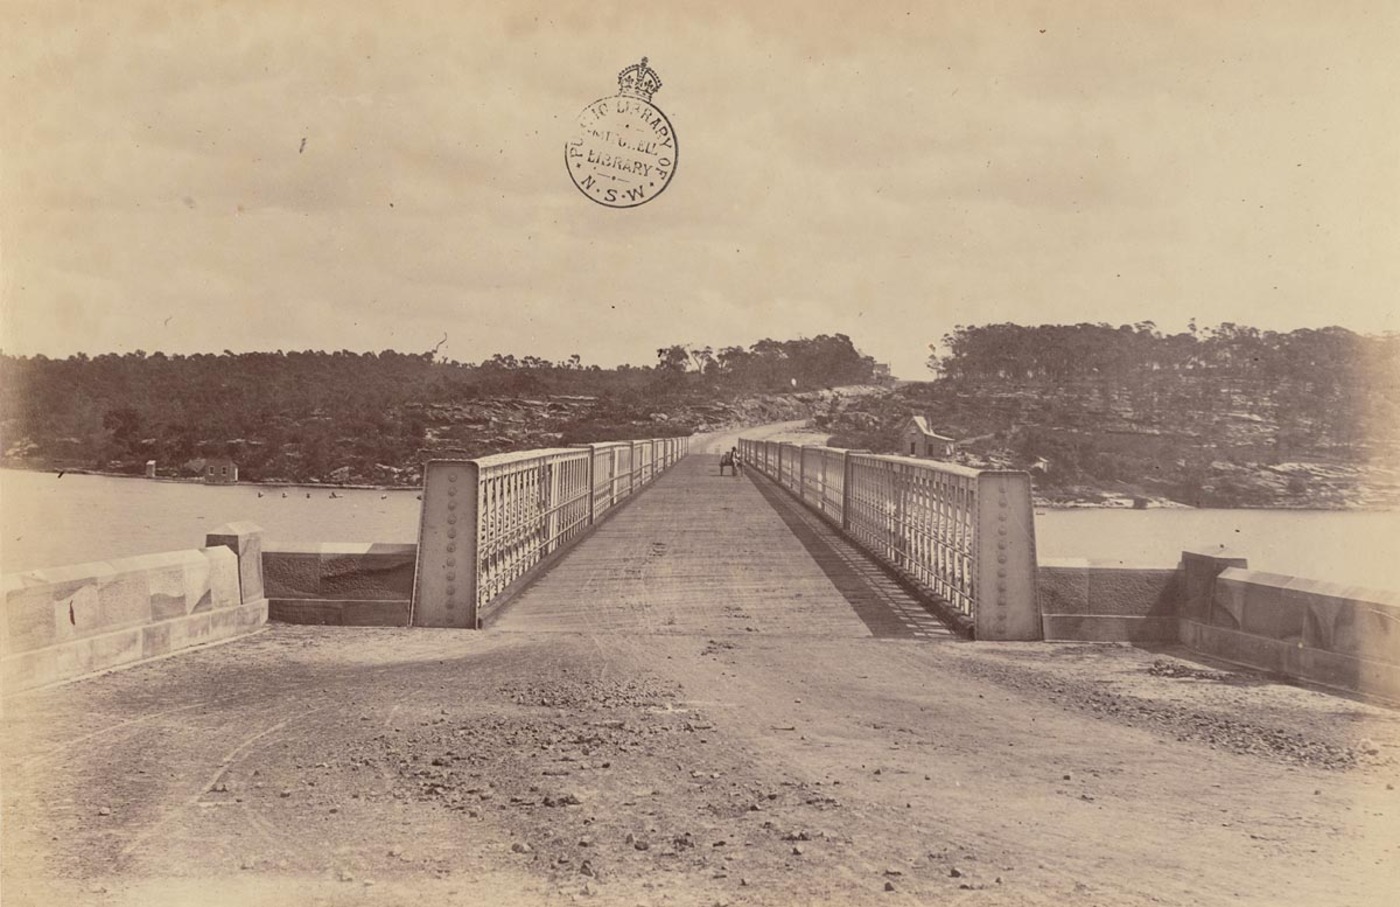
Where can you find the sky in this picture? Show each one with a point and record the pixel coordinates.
(258, 175)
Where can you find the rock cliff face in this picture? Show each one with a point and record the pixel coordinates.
(1190, 442)
(470, 428)
(512, 423)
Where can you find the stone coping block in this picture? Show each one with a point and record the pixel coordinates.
(1199, 569)
(1084, 587)
(1070, 563)
(245, 539)
(1380, 678)
(385, 548)
(368, 571)
(1253, 601)
(1315, 614)
(55, 606)
(127, 646)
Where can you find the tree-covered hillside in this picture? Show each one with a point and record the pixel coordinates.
(345, 416)
(1225, 416)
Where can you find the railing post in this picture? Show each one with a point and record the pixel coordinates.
(549, 497)
(592, 482)
(901, 553)
(445, 580)
(1007, 608)
(613, 479)
(847, 486)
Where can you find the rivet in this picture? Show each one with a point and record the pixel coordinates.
(452, 489)
(1001, 558)
(451, 561)
(451, 548)
(452, 505)
(451, 518)
(453, 576)
(452, 477)
(452, 533)
(451, 590)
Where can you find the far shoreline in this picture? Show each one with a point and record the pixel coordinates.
(1038, 504)
(199, 480)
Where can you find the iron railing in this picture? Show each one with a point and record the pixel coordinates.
(488, 523)
(964, 536)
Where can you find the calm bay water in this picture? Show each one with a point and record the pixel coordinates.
(46, 521)
(1356, 548)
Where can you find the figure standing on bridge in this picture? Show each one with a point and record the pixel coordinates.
(730, 459)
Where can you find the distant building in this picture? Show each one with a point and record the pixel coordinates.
(150, 469)
(918, 440)
(220, 471)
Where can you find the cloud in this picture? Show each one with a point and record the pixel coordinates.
(879, 171)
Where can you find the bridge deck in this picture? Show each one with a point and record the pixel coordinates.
(701, 552)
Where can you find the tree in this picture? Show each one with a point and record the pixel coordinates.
(125, 425)
(672, 358)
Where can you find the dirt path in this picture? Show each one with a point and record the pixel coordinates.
(624, 759)
(320, 765)
(796, 432)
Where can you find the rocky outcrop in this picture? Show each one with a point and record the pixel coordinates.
(1197, 446)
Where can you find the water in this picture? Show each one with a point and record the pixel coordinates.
(46, 521)
(1355, 548)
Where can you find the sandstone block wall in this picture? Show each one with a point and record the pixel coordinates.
(350, 584)
(1088, 601)
(64, 622)
(1327, 633)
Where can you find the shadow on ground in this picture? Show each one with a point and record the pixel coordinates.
(884, 605)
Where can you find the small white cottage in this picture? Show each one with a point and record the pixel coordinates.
(220, 471)
(918, 440)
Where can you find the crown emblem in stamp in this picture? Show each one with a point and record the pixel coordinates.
(623, 150)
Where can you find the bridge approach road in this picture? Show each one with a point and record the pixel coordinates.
(709, 700)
